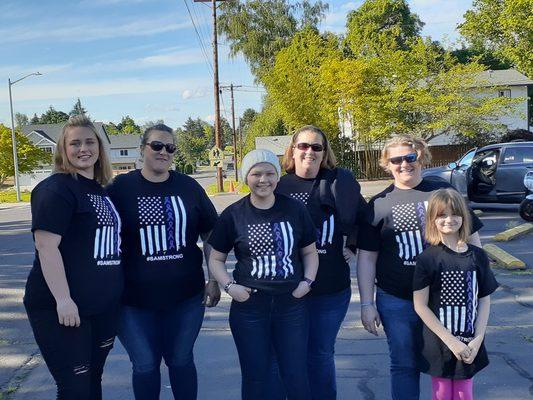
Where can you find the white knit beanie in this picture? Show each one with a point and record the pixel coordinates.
(255, 157)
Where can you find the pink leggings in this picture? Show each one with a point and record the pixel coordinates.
(450, 389)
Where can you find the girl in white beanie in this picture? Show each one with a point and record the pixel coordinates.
(274, 241)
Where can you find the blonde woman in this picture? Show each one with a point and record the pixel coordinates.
(389, 243)
(73, 290)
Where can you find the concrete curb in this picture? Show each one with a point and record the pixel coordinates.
(503, 258)
(510, 234)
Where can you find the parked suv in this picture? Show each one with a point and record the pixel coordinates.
(490, 174)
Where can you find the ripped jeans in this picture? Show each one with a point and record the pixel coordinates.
(75, 356)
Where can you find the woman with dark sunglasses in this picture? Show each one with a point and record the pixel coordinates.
(163, 213)
(389, 241)
(333, 198)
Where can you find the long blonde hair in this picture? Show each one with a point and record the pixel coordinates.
(437, 203)
(328, 161)
(102, 168)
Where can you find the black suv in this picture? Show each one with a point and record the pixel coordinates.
(490, 174)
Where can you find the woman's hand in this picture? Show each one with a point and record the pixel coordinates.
(370, 318)
(460, 350)
(212, 294)
(301, 290)
(67, 312)
(239, 293)
(474, 347)
(349, 255)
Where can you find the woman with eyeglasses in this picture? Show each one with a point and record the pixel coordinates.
(333, 198)
(163, 213)
(389, 242)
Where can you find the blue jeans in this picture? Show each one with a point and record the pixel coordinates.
(326, 313)
(265, 322)
(152, 335)
(403, 328)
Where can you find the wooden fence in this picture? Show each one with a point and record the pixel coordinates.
(365, 163)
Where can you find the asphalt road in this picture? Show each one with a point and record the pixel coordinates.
(362, 360)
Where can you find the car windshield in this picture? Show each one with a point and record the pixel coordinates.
(467, 158)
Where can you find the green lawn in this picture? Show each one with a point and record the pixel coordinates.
(10, 196)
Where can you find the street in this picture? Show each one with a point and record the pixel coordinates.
(362, 359)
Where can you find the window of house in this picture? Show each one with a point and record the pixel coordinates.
(48, 149)
(124, 153)
(504, 93)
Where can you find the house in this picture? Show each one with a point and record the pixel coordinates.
(123, 150)
(276, 144)
(124, 153)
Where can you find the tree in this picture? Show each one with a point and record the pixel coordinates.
(127, 126)
(149, 124)
(293, 81)
(78, 109)
(267, 123)
(29, 156)
(258, 29)
(21, 119)
(35, 119)
(381, 25)
(52, 116)
(111, 129)
(227, 132)
(247, 119)
(502, 26)
(193, 141)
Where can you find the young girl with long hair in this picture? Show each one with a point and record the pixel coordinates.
(452, 286)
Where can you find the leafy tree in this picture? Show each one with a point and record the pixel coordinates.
(502, 26)
(381, 25)
(227, 132)
(78, 109)
(245, 122)
(267, 123)
(488, 58)
(111, 129)
(149, 124)
(35, 119)
(193, 141)
(29, 156)
(21, 119)
(52, 116)
(258, 29)
(293, 82)
(127, 126)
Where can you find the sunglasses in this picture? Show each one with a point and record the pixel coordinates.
(304, 146)
(156, 145)
(409, 158)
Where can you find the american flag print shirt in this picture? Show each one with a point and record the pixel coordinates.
(271, 246)
(409, 222)
(162, 227)
(106, 247)
(458, 302)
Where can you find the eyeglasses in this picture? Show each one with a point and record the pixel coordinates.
(304, 146)
(409, 158)
(156, 145)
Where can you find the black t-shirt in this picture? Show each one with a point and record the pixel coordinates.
(394, 226)
(456, 281)
(267, 243)
(333, 272)
(161, 225)
(78, 210)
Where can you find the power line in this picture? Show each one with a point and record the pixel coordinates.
(199, 38)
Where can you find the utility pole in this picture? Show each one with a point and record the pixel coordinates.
(218, 139)
(231, 87)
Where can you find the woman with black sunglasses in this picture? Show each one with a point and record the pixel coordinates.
(163, 213)
(389, 242)
(333, 198)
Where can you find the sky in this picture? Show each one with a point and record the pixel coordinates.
(143, 58)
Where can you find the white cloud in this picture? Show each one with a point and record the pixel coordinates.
(85, 30)
(18, 71)
(194, 93)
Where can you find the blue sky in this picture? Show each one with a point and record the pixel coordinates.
(141, 57)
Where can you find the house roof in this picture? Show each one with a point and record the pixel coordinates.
(124, 141)
(276, 144)
(504, 77)
(53, 131)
